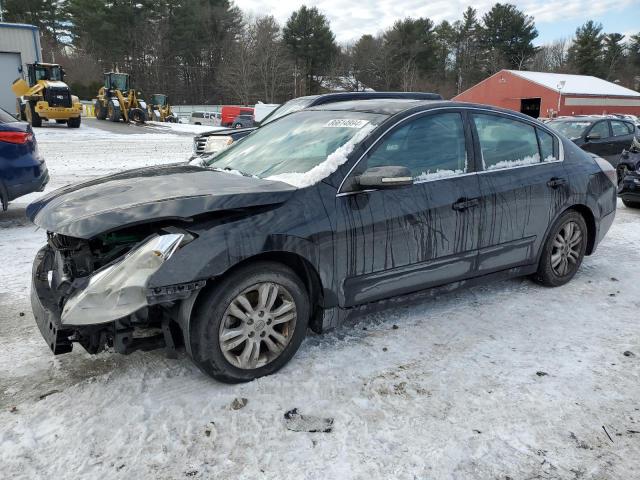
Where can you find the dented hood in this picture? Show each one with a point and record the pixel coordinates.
(177, 191)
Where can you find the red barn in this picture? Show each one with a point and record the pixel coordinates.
(549, 94)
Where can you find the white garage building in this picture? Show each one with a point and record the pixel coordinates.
(19, 45)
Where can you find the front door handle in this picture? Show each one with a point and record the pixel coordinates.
(555, 182)
(464, 203)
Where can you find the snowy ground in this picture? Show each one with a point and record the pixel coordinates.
(504, 381)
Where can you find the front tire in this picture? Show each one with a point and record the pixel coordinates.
(563, 251)
(251, 323)
(237, 125)
(631, 204)
(32, 117)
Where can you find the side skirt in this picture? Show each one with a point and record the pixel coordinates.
(334, 317)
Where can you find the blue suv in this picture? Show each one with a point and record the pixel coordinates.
(22, 168)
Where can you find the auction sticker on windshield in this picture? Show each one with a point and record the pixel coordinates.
(346, 123)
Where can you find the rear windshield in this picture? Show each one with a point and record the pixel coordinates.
(6, 117)
(570, 129)
(291, 106)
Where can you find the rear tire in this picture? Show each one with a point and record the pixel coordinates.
(237, 125)
(563, 250)
(35, 119)
(631, 204)
(74, 122)
(233, 305)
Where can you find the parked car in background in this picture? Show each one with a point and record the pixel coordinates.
(22, 168)
(327, 210)
(243, 120)
(210, 143)
(230, 113)
(205, 118)
(601, 135)
(628, 171)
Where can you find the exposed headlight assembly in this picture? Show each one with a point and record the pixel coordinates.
(216, 144)
(120, 289)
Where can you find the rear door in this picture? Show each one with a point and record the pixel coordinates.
(396, 241)
(523, 184)
(623, 133)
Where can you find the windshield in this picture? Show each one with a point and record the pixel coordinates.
(48, 73)
(297, 144)
(158, 99)
(119, 81)
(570, 129)
(291, 106)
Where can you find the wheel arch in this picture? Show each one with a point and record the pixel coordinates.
(590, 220)
(302, 267)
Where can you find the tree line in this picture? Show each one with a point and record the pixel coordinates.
(209, 51)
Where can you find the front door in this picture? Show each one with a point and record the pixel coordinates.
(397, 241)
(598, 139)
(523, 184)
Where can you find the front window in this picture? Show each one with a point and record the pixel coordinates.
(291, 106)
(48, 73)
(158, 99)
(119, 82)
(431, 147)
(300, 149)
(571, 129)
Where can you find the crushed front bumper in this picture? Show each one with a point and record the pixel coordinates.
(629, 187)
(43, 304)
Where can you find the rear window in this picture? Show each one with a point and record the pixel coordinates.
(621, 128)
(6, 117)
(505, 142)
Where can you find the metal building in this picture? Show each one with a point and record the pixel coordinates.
(540, 94)
(19, 45)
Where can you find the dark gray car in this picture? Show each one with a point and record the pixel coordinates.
(605, 137)
(336, 208)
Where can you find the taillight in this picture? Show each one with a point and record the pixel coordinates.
(607, 169)
(16, 137)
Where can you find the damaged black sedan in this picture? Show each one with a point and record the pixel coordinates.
(320, 213)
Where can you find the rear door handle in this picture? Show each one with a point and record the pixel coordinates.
(555, 182)
(464, 203)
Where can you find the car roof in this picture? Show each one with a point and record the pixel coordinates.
(346, 96)
(386, 106)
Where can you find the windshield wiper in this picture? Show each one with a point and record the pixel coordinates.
(233, 171)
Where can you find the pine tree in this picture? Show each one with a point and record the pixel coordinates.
(312, 44)
(586, 52)
(508, 36)
(614, 53)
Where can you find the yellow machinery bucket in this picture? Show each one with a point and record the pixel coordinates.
(20, 87)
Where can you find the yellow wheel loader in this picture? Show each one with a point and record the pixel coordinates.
(158, 109)
(45, 96)
(118, 101)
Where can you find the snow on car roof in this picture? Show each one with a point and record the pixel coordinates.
(576, 84)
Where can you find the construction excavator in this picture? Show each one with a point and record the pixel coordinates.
(158, 109)
(117, 100)
(45, 96)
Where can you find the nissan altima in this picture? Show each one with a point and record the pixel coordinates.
(341, 206)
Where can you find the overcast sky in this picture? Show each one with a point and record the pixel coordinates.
(554, 18)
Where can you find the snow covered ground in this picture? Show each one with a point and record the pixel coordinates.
(508, 380)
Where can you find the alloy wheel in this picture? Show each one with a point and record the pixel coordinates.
(257, 325)
(566, 249)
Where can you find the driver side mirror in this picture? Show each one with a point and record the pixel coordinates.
(385, 177)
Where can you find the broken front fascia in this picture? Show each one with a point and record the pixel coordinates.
(119, 289)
